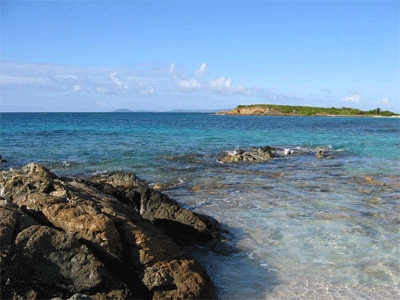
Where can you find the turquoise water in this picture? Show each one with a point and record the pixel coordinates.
(306, 227)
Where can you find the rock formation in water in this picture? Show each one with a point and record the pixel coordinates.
(254, 154)
(105, 237)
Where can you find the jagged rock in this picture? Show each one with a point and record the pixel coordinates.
(122, 179)
(88, 223)
(178, 279)
(62, 236)
(12, 221)
(183, 225)
(147, 245)
(254, 154)
(51, 259)
(165, 269)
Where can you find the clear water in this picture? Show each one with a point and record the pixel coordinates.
(307, 228)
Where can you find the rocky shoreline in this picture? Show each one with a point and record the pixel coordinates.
(277, 110)
(100, 237)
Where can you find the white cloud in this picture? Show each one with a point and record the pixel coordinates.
(385, 100)
(172, 69)
(23, 80)
(354, 98)
(192, 85)
(147, 92)
(117, 81)
(202, 71)
(102, 90)
(221, 86)
(224, 86)
(38, 78)
(75, 77)
(29, 77)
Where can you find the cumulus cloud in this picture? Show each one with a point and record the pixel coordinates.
(191, 85)
(385, 100)
(354, 98)
(147, 92)
(220, 85)
(202, 71)
(117, 81)
(224, 86)
(46, 78)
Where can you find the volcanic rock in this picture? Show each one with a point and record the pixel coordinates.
(62, 237)
(254, 154)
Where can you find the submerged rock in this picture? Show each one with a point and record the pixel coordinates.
(322, 154)
(63, 236)
(254, 154)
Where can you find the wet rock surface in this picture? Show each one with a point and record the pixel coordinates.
(254, 154)
(68, 237)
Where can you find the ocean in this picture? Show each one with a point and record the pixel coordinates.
(306, 228)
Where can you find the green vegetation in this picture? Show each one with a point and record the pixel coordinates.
(316, 111)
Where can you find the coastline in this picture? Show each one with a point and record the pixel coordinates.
(303, 111)
(69, 237)
(274, 209)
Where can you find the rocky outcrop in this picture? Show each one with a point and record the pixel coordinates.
(254, 154)
(51, 260)
(99, 237)
(255, 111)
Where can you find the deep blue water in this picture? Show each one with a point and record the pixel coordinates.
(307, 227)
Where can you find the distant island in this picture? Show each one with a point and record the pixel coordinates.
(122, 110)
(287, 110)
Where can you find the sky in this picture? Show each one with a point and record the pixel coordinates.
(98, 56)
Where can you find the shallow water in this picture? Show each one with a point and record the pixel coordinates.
(306, 227)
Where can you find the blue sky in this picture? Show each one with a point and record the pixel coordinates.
(149, 55)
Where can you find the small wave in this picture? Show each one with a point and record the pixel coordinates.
(99, 173)
(301, 150)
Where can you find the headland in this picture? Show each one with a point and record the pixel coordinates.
(288, 110)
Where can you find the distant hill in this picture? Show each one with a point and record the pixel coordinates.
(122, 110)
(288, 110)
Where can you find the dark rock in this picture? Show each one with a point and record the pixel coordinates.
(62, 236)
(53, 260)
(2, 160)
(12, 221)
